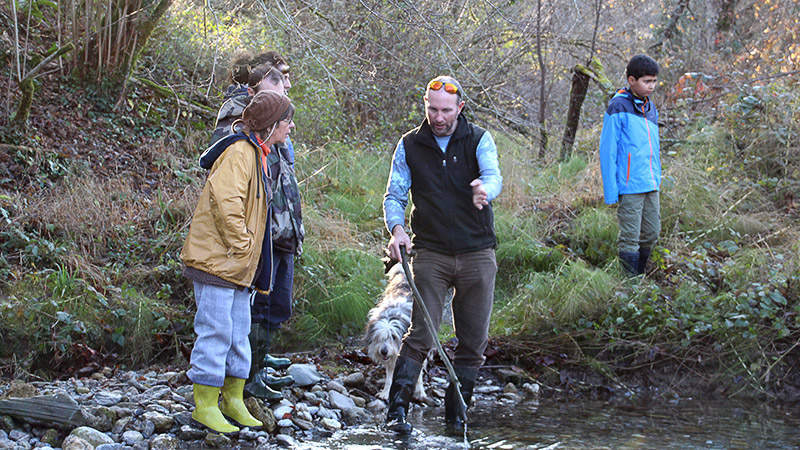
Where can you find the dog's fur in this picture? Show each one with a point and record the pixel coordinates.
(387, 323)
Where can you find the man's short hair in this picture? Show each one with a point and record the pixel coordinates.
(641, 65)
(447, 79)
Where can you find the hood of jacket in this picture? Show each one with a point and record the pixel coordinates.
(212, 153)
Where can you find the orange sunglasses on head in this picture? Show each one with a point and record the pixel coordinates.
(435, 85)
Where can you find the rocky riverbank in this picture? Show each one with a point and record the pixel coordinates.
(122, 409)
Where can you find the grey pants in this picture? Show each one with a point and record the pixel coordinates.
(472, 276)
(222, 323)
(639, 218)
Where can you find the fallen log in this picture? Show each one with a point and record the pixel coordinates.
(54, 410)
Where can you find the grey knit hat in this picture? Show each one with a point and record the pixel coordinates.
(264, 110)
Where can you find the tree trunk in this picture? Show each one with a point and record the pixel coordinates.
(726, 20)
(24, 108)
(670, 28)
(27, 87)
(542, 80)
(577, 94)
(145, 29)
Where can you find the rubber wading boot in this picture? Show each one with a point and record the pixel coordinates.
(276, 383)
(644, 255)
(454, 414)
(269, 360)
(404, 380)
(255, 386)
(630, 262)
(233, 403)
(206, 409)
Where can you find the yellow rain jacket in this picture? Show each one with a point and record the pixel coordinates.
(229, 222)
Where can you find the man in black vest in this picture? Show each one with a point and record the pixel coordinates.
(450, 166)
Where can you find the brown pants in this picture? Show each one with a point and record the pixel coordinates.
(472, 277)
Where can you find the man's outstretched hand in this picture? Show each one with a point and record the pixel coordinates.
(478, 193)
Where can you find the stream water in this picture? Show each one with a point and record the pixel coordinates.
(593, 424)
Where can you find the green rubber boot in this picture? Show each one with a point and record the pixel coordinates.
(256, 386)
(233, 403)
(206, 409)
(271, 361)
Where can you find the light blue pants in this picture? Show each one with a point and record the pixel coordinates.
(222, 323)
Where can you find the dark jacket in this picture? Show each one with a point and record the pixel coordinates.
(444, 218)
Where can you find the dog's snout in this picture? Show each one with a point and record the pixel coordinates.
(384, 351)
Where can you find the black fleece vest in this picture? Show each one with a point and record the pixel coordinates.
(443, 218)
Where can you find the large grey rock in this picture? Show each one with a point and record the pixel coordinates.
(331, 424)
(161, 421)
(340, 401)
(217, 440)
(357, 415)
(114, 446)
(164, 442)
(73, 442)
(189, 433)
(355, 379)
(304, 374)
(131, 437)
(284, 440)
(92, 436)
(334, 385)
(107, 398)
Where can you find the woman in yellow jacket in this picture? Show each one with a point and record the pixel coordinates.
(223, 257)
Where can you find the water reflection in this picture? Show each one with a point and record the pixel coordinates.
(593, 424)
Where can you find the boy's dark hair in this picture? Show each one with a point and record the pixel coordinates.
(641, 65)
(249, 69)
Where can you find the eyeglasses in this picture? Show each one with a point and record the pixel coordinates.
(435, 85)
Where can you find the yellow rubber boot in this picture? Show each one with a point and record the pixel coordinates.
(233, 404)
(206, 409)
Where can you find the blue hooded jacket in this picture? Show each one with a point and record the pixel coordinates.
(629, 148)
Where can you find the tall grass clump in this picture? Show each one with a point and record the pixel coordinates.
(520, 249)
(555, 300)
(593, 235)
(334, 290)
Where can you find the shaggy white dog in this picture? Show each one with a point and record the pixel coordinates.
(387, 323)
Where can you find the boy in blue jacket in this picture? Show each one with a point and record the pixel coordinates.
(631, 165)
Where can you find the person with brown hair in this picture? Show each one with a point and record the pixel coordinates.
(249, 75)
(226, 255)
(268, 71)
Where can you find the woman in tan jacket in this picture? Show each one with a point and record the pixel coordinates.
(223, 255)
